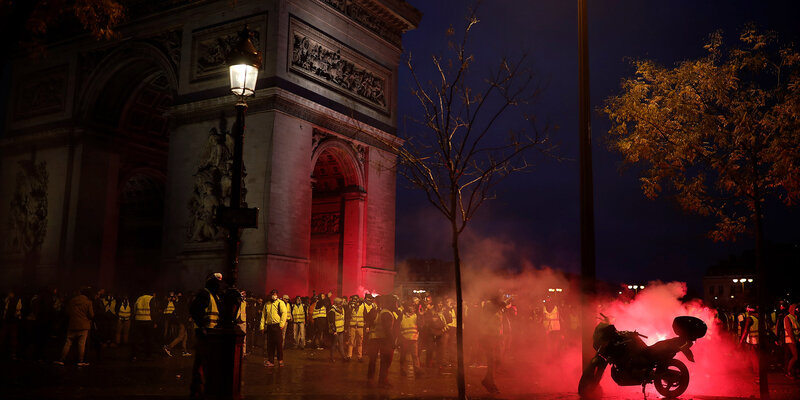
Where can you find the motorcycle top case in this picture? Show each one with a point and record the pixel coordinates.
(691, 328)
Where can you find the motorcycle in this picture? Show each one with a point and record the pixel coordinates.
(635, 363)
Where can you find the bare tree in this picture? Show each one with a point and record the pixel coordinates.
(459, 154)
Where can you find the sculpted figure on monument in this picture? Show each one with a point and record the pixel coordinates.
(28, 219)
(212, 185)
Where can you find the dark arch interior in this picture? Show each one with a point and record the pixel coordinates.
(132, 110)
(328, 184)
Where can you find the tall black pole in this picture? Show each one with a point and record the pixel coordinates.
(234, 231)
(586, 191)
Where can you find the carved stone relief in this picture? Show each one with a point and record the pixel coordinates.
(367, 19)
(41, 92)
(326, 223)
(212, 185)
(210, 46)
(327, 61)
(28, 213)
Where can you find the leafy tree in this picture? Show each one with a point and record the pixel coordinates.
(459, 155)
(720, 132)
(31, 20)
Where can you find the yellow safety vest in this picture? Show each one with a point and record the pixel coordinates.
(408, 327)
(319, 312)
(125, 312)
(551, 321)
(795, 328)
(453, 321)
(170, 308)
(211, 312)
(357, 317)
(338, 320)
(752, 334)
(242, 317)
(143, 308)
(299, 313)
(378, 331)
(274, 312)
(110, 305)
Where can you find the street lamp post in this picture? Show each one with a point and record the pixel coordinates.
(224, 378)
(243, 61)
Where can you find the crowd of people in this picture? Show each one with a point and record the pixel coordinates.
(78, 327)
(366, 327)
(781, 329)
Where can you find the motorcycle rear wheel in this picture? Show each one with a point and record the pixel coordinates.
(589, 385)
(671, 379)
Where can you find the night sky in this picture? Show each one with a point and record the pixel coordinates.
(535, 215)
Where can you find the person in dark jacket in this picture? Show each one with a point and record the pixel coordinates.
(180, 318)
(80, 313)
(204, 311)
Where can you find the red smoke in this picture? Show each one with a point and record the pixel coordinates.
(538, 364)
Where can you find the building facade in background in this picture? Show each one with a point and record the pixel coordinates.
(116, 153)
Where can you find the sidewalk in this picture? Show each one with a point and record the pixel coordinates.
(307, 375)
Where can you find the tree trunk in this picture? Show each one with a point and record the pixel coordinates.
(461, 381)
(761, 293)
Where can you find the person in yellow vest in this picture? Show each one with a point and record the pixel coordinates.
(750, 336)
(409, 337)
(299, 323)
(273, 322)
(336, 328)
(449, 339)
(355, 339)
(145, 317)
(180, 318)
(287, 300)
(381, 340)
(791, 329)
(320, 320)
(169, 322)
(204, 311)
(124, 314)
(241, 320)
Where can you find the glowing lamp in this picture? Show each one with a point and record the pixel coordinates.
(620, 292)
(636, 286)
(559, 290)
(630, 286)
(750, 280)
(641, 287)
(551, 290)
(735, 281)
(244, 61)
(731, 296)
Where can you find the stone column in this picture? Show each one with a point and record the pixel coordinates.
(352, 241)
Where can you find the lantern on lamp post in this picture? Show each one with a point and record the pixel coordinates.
(243, 62)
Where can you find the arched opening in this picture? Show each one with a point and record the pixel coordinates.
(326, 223)
(128, 107)
(337, 219)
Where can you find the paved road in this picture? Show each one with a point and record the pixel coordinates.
(307, 375)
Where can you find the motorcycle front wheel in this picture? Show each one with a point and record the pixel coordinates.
(589, 385)
(671, 379)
